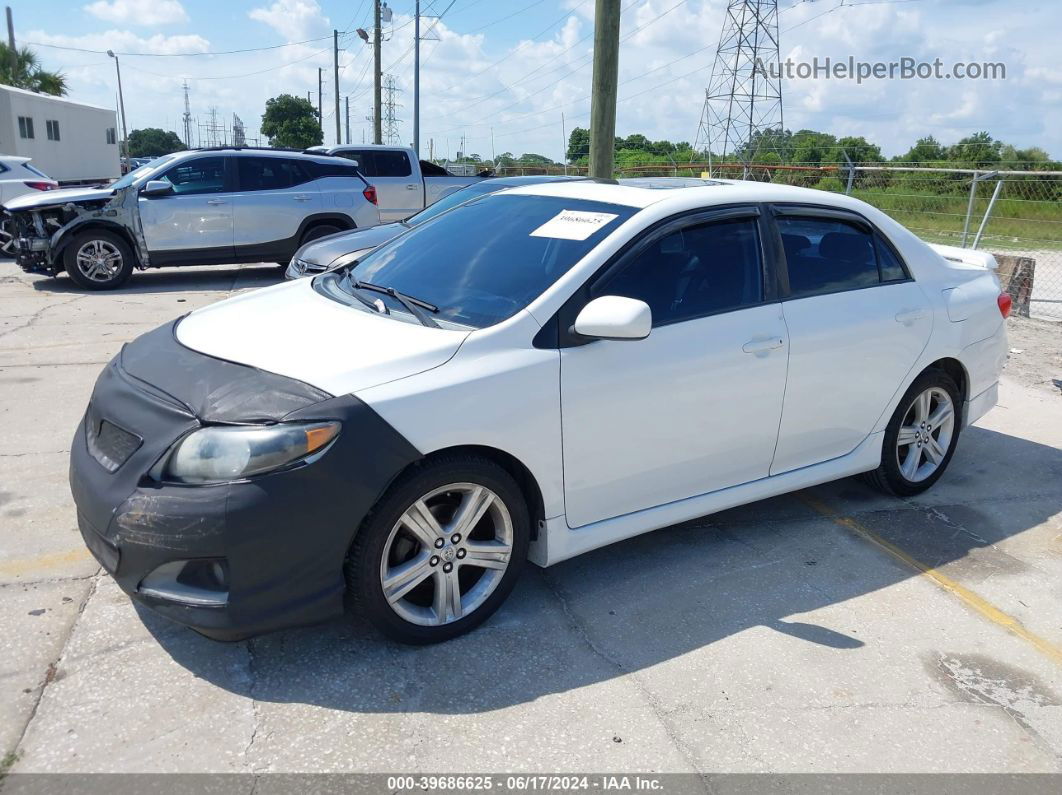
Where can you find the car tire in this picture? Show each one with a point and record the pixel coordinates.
(920, 438)
(98, 260)
(318, 231)
(401, 573)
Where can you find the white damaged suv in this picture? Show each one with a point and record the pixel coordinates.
(200, 207)
(535, 373)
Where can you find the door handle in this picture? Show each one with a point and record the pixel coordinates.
(411, 187)
(909, 316)
(761, 346)
(302, 197)
(215, 201)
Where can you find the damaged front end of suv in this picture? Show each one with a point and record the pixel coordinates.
(94, 234)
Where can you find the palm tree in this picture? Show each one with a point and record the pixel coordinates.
(28, 73)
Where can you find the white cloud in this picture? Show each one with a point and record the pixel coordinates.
(295, 20)
(139, 12)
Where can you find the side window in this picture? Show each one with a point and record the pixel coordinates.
(321, 170)
(892, 270)
(824, 255)
(699, 270)
(25, 127)
(112, 137)
(366, 161)
(391, 163)
(53, 129)
(202, 175)
(264, 173)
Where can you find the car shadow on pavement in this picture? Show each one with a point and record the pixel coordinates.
(169, 280)
(654, 598)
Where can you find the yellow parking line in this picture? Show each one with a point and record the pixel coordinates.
(20, 568)
(971, 599)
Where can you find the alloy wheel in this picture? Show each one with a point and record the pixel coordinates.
(446, 554)
(99, 260)
(925, 434)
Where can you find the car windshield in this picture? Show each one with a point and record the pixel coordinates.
(138, 175)
(489, 258)
(452, 200)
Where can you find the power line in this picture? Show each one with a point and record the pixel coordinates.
(182, 54)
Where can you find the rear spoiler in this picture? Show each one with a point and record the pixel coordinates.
(966, 256)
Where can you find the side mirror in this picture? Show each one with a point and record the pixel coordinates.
(613, 317)
(157, 187)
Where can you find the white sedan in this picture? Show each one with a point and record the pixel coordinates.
(537, 373)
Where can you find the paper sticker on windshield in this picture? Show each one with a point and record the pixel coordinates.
(573, 225)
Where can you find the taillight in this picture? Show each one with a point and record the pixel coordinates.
(1004, 301)
(370, 193)
(41, 185)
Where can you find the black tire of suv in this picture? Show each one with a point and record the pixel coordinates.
(362, 569)
(887, 477)
(110, 238)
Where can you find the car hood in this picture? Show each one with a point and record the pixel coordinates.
(290, 329)
(327, 249)
(53, 198)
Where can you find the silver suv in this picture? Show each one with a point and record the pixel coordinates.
(201, 207)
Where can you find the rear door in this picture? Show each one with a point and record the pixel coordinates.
(273, 196)
(195, 220)
(399, 190)
(857, 324)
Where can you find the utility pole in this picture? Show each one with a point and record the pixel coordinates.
(346, 102)
(416, 79)
(11, 42)
(320, 116)
(603, 97)
(564, 146)
(121, 104)
(335, 71)
(377, 110)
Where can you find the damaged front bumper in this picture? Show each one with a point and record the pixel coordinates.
(230, 559)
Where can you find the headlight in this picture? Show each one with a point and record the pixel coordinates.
(220, 453)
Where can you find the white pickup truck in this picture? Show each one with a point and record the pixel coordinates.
(404, 183)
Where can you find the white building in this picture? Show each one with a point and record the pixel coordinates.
(69, 141)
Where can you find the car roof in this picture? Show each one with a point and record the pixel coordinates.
(251, 151)
(533, 179)
(722, 191)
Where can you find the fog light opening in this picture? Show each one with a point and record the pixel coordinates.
(202, 582)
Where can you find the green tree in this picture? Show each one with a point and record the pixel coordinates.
(505, 160)
(28, 73)
(976, 151)
(532, 159)
(152, 142)
(291, 122)
(578, 144)
(925, 150)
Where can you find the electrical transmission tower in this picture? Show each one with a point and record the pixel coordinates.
(187, 118)
(743, 100)
(390, 123)
(239, 134)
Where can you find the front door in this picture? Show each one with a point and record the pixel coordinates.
(196, 218)
(695, 406)
(857, 325)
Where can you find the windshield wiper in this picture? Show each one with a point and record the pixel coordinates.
(413, 305)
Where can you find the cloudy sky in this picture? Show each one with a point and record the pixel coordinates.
(512, 67)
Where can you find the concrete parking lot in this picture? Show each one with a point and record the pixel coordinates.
(834, 630)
